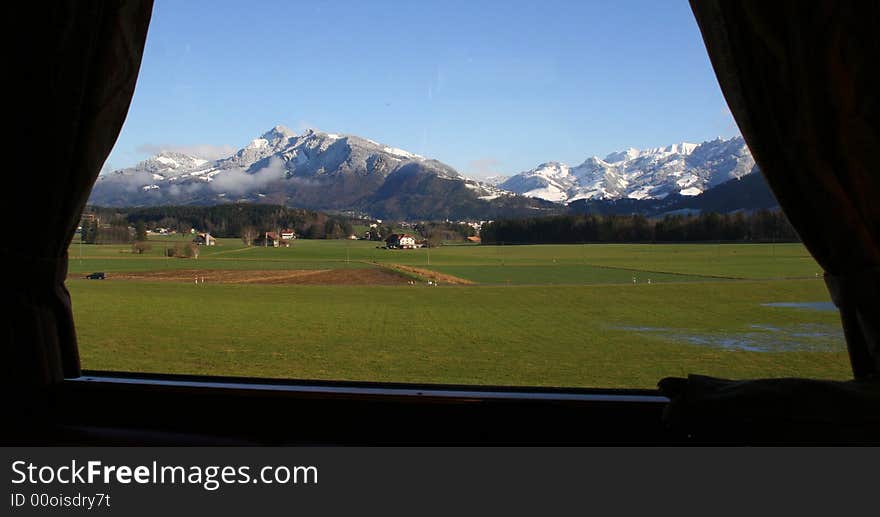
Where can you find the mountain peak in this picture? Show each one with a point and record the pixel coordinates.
(278, 132)
(171, 154)
(631, 153)
(681, 148)
(620, 156)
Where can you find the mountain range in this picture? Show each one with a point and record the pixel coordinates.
(328, 171)
(685, 168)
(750, 192)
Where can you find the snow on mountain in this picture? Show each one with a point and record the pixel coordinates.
(550, 181)
(329, 171)
(684, 168)
(495, 180)
(484, 190)
(313, 169)
(169, 163)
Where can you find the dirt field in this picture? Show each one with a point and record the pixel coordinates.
(359, 276)
(441, 278)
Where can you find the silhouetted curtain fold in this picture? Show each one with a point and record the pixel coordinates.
(773, 410)
(72, 73)
(802, 82)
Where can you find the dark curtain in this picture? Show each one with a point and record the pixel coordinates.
(802, 82)
(72, 74)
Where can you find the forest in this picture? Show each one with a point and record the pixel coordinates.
(229, 220)
(759, 226)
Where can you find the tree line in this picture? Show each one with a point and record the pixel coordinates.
(116, 231)
(436, 233)
(759, 226)
(231, 220)
(248, 222)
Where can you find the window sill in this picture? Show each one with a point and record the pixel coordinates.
(126, 408)
(370, 389)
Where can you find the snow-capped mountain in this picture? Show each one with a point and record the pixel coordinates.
(495, 180)
(169, 163)
(551, 181)
(316, 170)
(683, 168)
(327, 171)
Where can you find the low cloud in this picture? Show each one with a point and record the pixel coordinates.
(204, 151)
(134, 182)
(184, 190)
(237, 181)
(234, 181)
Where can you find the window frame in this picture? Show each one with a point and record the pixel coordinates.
(169, 409)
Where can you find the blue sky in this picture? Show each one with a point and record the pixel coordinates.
(486, 86)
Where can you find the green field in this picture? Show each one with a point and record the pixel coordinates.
(555, 315)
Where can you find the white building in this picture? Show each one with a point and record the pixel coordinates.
(205, 239)
(401, 241)
(407, 241)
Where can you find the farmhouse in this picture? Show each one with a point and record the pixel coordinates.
(271, 240)
(401, 241)
(205, 239)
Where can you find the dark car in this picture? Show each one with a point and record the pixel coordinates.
(95, 276)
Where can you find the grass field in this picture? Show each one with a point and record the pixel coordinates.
(556, 315)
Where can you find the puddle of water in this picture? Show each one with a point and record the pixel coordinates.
(780, 340)
(768, 328)
(807, 337)
(643, 329)
(816, 306)
(745, 342)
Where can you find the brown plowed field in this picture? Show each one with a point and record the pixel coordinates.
(354, 276)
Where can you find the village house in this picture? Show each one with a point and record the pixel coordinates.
(400, 241)
(288, 235)
(205, 239)
(271, 240)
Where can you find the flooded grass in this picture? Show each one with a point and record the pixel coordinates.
(816, 306)
(803, 337)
